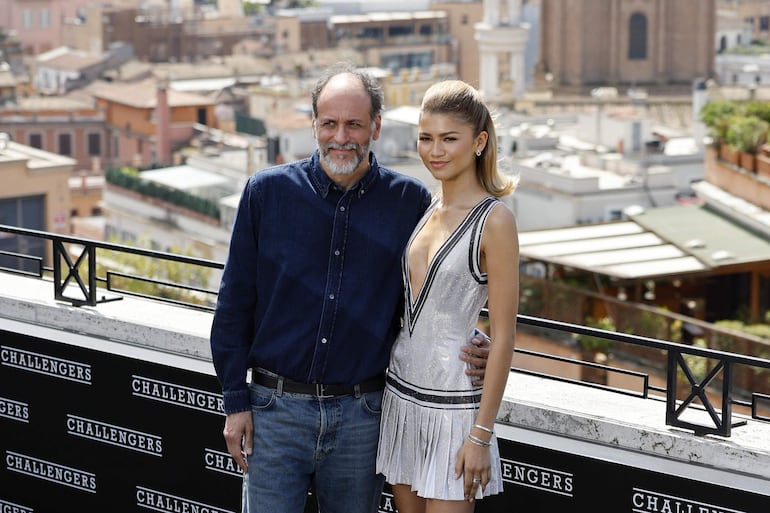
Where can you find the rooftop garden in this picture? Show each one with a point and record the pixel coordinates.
(740, 131)
(130, 178)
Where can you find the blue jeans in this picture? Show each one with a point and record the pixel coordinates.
(301, 440)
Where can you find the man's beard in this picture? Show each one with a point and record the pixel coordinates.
(344, 167)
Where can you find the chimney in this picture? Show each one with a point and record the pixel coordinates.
(162, 125)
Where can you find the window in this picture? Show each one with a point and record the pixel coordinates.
(637, 37)
(36, 141)
(370, 33)
(400, 30)
(407, 60)
(45, 18)
(65, 144)
(24, 212)
(26, 18)
(94, 145)
(764, 23)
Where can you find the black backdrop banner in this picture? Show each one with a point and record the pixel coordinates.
(88, 430)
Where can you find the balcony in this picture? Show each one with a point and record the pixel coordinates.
(96, 380)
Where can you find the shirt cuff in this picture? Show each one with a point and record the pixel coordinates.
(236, 401)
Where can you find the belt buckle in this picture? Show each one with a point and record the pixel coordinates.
(320, 391)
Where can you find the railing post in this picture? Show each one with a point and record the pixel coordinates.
(60, 283)
(727, 399)
(671, 388)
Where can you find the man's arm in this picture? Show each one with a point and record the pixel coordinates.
(476, 354)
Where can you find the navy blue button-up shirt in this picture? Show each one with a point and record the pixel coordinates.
(312, 287)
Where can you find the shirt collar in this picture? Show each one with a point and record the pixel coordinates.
(323, 184)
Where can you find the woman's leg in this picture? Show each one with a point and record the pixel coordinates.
(438, 506)
(407, 501)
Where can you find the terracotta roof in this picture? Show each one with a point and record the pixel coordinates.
(289, 121)
(143, 94)
(72, 60)
(43, 103)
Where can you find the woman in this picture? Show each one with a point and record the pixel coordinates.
(437, 445)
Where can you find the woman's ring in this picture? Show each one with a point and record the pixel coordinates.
(476, 480)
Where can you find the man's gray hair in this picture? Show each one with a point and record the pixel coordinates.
(371, 85)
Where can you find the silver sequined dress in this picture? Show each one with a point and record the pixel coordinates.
(430, 405)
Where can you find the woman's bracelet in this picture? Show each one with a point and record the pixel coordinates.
(478, 441)
(484, 428)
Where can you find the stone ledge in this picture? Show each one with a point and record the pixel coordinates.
(630, 423)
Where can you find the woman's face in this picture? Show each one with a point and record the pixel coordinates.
(447, 145)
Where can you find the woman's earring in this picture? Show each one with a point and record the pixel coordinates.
(478, 153)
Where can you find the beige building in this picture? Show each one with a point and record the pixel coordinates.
(462, 18)
(633, 42)
(755, 12)
(159, 35)
(35, 195)
(65, 125)
(395, 40)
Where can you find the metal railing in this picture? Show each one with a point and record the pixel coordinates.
(680, 376)
(75, 270)
(75, 277)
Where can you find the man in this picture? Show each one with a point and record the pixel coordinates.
(310, 301)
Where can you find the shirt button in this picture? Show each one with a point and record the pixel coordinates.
(331, 296)
(323, 340)
(342, 209)
(336, 252)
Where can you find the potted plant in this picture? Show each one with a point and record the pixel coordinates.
(716, 115)
(745, 134)
(763, 161)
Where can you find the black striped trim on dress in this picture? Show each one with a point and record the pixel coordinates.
(467, 398)
(474, 249)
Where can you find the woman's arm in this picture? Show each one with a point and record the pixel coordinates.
(500, 259)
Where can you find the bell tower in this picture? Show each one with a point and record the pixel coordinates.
(502, 38)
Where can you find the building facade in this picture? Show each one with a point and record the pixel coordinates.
(147, 121)
(35, 195)
(631, 42)
(61, 125)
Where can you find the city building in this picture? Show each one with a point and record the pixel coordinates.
(163, 34)
(633, 42)
(70, 126)
(63, 69)
(147, 121)
(36, 196)
(502, 39)
(395, 40)
(732, 30)
(755, 12)
(38, 25)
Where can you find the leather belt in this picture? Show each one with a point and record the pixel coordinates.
(315, 389)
